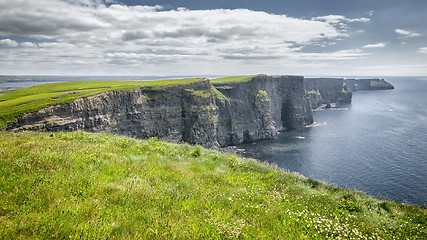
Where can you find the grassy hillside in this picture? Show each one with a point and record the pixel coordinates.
(15, 104)
(232, 79)
(98, 186)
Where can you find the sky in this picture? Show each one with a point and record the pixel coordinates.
(213, 37)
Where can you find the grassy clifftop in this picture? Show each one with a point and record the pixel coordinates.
(232, 79)
(97, 186)
(16, 103)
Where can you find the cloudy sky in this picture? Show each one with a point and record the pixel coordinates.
(213, 37)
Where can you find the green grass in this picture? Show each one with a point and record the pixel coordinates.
(199, 93)
(263, 96)
(15, 104)
(98, 186)
(233, 79)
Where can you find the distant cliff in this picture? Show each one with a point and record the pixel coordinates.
(327, 91)
(197, 112)
(368, 84)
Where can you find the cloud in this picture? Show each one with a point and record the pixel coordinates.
(423, 50)
(359, 20)
(335, 19)
(82, 34)
(28, 44)
(336, 55)
(407, 33)
(377, 45)
(8, 43)
(44, 18)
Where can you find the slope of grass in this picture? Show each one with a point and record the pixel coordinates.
(15, 104)
(233, 79)
(98, 186)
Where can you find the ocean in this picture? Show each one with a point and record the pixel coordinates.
(377, 144)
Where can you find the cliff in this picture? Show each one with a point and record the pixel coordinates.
(368, 84)
(194, 112)
(260, 108)
(185, 112)
(327, 91)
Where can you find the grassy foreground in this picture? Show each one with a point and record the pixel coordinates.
(99, 186)
(16, 103)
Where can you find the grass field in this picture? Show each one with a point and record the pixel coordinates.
(233, 79)
(97, 186)
(16, 103)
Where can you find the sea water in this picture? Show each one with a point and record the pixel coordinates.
(377, 144)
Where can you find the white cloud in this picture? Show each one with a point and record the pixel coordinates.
(337, 55)
(335, 19)
(376, 45)
(28, 44)
(359, 19)
(84, 34)
(8, 43)
(407, 33)
(423, 50)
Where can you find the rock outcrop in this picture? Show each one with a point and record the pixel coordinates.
(368, 84)
(196, 112)
(327, 91)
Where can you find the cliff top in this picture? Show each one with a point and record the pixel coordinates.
(233, 79)
(15, 104)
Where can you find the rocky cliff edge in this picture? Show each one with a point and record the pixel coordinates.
(198, 112)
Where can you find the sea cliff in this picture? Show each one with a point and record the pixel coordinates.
(327, 91)
(368, 84)
(198, 112)
(261, 108)
(213, 113)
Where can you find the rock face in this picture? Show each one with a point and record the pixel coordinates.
(326, 91)
(179, 113)
(195, 112)
(368, 84)
(260, 108)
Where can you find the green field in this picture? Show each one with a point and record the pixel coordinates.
(97, 186)
(233, 79)
(16, 103)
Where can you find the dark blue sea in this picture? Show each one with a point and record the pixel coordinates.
(377, 144)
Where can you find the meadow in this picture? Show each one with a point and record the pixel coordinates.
(233, 79)
(97, 186)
